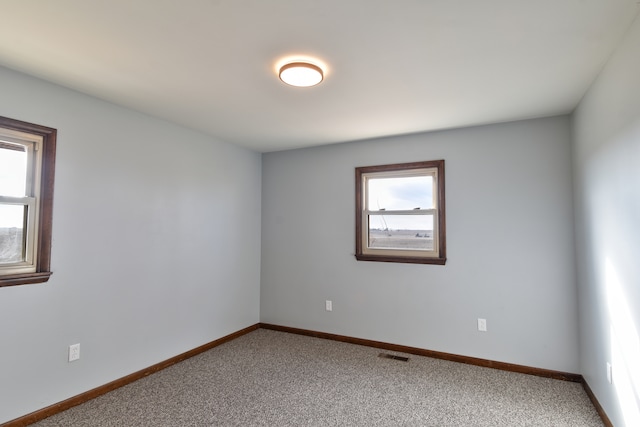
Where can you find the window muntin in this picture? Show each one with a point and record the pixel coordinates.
(400, 213)
(27, 155)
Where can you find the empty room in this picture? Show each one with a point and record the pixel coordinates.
(322, 213)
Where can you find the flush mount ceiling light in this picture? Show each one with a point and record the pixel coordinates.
(301, 74)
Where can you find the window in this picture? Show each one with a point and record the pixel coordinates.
(400, 215)
(27, 156)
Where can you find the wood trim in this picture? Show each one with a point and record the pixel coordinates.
(547, 373)
(47, 176)
(441, 259)
(603, 415)
(47, 179)
(25, 279)
(98, 391)
(405, 260)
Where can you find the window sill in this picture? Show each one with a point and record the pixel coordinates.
(400, 259)
(24, 279)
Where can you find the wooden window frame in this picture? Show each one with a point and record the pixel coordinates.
(45, 196)
(403, 256)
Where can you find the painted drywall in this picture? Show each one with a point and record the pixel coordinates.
(509, 246)
(155, 250)
(606, 152)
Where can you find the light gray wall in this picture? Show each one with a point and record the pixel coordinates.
(509, 246)
(156, 234)
(607, 186)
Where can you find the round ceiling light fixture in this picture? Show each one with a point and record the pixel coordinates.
(301, 74)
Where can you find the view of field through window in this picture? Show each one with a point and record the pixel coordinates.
(13, 183)
(398, 213)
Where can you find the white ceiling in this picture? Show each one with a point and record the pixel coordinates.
(393, 67)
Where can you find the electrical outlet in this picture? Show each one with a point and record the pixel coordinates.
(482, 325)
(609, 373)
(74, 352)
(328, 305)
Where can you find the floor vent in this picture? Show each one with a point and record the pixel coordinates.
(394, 357)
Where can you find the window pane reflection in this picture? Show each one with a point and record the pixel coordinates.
(12, 225)
(404, 193)
(412, 232)
(13, 170)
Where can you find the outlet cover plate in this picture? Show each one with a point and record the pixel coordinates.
(74, 352)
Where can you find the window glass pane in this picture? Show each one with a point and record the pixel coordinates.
(413, 232)
(13, 171)
(404, 193)
(12, 226)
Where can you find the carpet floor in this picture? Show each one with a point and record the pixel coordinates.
(270, 378)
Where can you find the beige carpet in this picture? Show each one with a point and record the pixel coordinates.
(269, 378)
